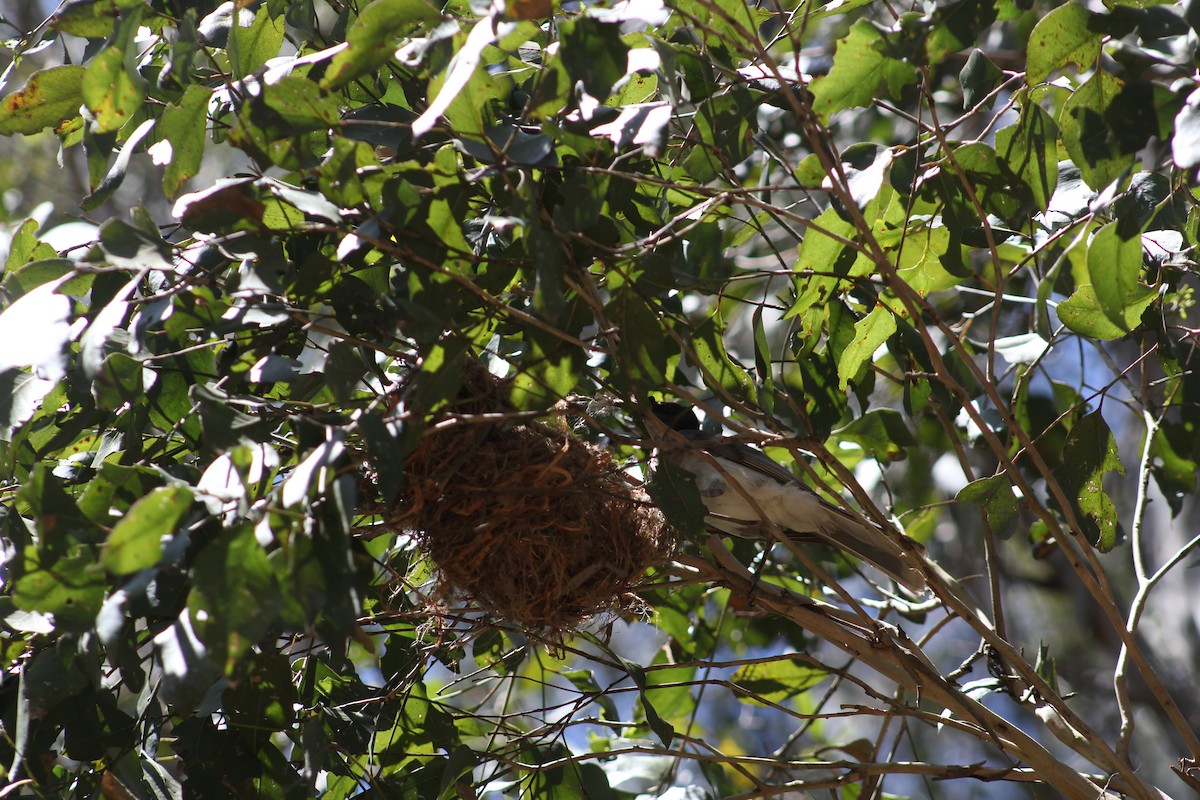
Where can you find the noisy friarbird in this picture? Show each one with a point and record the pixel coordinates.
(770, 495)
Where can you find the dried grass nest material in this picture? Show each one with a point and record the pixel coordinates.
(527, 521)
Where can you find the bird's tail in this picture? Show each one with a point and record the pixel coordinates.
(861, 539)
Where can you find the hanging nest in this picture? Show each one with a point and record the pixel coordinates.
(525, 520)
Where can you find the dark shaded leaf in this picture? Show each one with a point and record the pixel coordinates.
(1087, 134)
(223, 205)
(1030, 150)
(1091, 451)
(509, 144)
(996, 497)
(115, 176)
(674, 491)
(979, 78)
(640, 346)
(592, 52)
(882, 434)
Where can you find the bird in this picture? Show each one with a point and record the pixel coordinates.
(771, 494)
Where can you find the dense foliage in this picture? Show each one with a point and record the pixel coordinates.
(936, 257)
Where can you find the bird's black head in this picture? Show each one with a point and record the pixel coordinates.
(676, 417)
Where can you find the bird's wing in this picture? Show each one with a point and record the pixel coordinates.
(805, 513)
(747, 456)
(835, 525)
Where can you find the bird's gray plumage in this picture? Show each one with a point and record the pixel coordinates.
(771, 494)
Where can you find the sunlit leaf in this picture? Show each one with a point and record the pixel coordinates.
(1063, 36)
(135, 541)
(1114, 265)
(112, 89)
(183, 127)
(50, 98)
(371, 39)
(870, 333)
(776, 681)
(862, 70)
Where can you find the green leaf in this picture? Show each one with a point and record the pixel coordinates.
(674, 491)
(1091, 451)
(882, 434)
(708, 343)
(997, 188)
(979, 78)
(870, 333)
(295, 105)
(183, 128)
(729, 24)
(1030, 150)
(71, 587)
(922, 256)
(641, 350)
(115, 489)
(236, 595)
(544, 379)
(861, 72)
(1114, 265)
(252, 47)
(772, 682)
(112, 89)
(463, 71)
(1087, 132)
(136, 541)
(1174, 466)
(998, 500)
(955, 26)
(24, 247)
(371, 39)
(50, 98)
(824, 260)
(1082, 313)
(673, 691)
(91, 19)
(593, 52)
(585, 681)
(1064, 36)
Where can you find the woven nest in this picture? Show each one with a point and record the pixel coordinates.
(526, 521)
